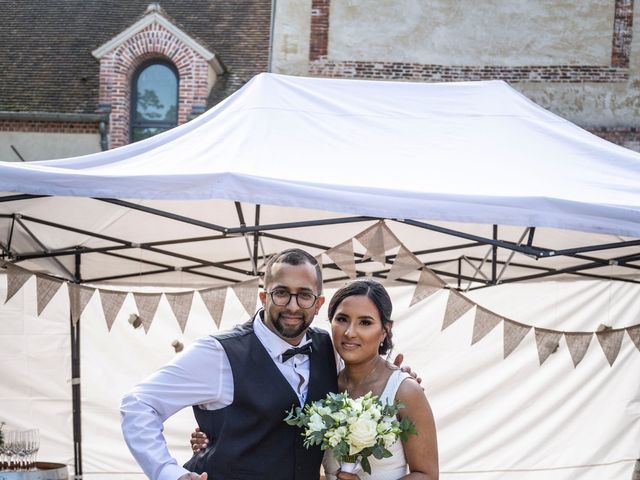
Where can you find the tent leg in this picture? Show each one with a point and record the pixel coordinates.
(75, 395)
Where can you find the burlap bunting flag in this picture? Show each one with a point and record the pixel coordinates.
(147, 305)
(547, 342)
(79, 297)
(513, 334)
(342, 256)
(111, 301)
(610, 341)
(180, 304)
(377, 239)
(213, 299)
(404, 263)
(247, 293)
(428, 284)
(16, 278)
(578, 343)
(457, 305)
(634, 335)
(484, 322)
(45, 290)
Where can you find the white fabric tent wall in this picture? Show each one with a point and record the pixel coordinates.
(496, 418)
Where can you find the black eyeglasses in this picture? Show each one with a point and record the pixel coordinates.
(282, 297)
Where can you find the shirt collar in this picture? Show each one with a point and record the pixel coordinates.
(275, 345)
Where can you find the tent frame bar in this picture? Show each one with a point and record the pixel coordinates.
(266, 230)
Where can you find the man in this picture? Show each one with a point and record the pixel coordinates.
(241, 383)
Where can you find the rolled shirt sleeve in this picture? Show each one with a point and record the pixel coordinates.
(201, 375)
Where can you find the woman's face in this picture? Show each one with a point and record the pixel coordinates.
(356, 329)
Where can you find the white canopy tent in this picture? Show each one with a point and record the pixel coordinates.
(479, 183)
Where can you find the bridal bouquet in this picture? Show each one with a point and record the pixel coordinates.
(353, 429)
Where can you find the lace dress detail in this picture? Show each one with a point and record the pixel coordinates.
(391, 468)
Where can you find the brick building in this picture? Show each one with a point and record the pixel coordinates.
(577, 58)
(74, 73)
(70, 69)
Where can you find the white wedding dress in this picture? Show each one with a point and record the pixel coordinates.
(391, 468)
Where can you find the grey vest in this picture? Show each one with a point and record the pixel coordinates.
(249, 438)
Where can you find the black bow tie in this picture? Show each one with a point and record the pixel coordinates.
(304, 350)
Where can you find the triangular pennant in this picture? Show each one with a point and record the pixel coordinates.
(484, 322)
(377, 239)
(342, 256)
(111, 301)
(181, 306)
(147, 305)
(319, 260)
(79, 297)
(547, 342)
(577, 342)
(404, 263)
(457, 305)
(45, 290)
(428, 284)
(513, 335)
(634, 335)
(610, 341)
(247, 293)
(213, 299)
(16, 278)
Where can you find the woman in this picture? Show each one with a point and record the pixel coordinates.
(360, 316)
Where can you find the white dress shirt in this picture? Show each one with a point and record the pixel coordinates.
(201, 375)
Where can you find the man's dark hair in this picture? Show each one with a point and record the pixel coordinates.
(293, 256)
(380, 298)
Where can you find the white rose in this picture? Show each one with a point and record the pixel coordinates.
(315, 423)
(336, 437)
(389, 439)
(339, 416)
(375, 412)
(385, 424)
(362, 435)
(323, 411)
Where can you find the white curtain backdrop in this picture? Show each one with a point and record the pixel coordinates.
(496, 419)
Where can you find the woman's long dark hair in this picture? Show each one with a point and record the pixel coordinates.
(375, 292)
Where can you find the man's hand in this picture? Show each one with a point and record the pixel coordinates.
(193, 476)
(199, 440)
(398, 363)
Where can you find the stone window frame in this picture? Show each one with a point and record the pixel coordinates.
(154, 36)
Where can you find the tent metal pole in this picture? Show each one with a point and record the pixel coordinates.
(41, 245)
(526, 250)
(13, 198)
(256, 235)
(75, 384)
(494, 255)
(162, 213)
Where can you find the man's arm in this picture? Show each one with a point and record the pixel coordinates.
(200, 375)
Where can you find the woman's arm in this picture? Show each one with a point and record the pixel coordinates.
(421, 450)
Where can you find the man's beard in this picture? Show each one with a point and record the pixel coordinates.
(289, 332)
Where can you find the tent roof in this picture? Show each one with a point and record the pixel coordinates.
(473, 153)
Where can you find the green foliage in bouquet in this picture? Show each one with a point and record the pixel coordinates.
(353, 428)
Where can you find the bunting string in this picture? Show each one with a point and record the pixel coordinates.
(379, 243)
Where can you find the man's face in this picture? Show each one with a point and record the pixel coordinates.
(290, 322)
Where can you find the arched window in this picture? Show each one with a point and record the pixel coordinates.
(154, 99)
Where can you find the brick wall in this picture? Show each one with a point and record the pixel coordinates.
(628, 137)
(117, 69)
(320, 63)
(48, 126)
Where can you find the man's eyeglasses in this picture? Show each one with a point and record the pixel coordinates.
(282, 297)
